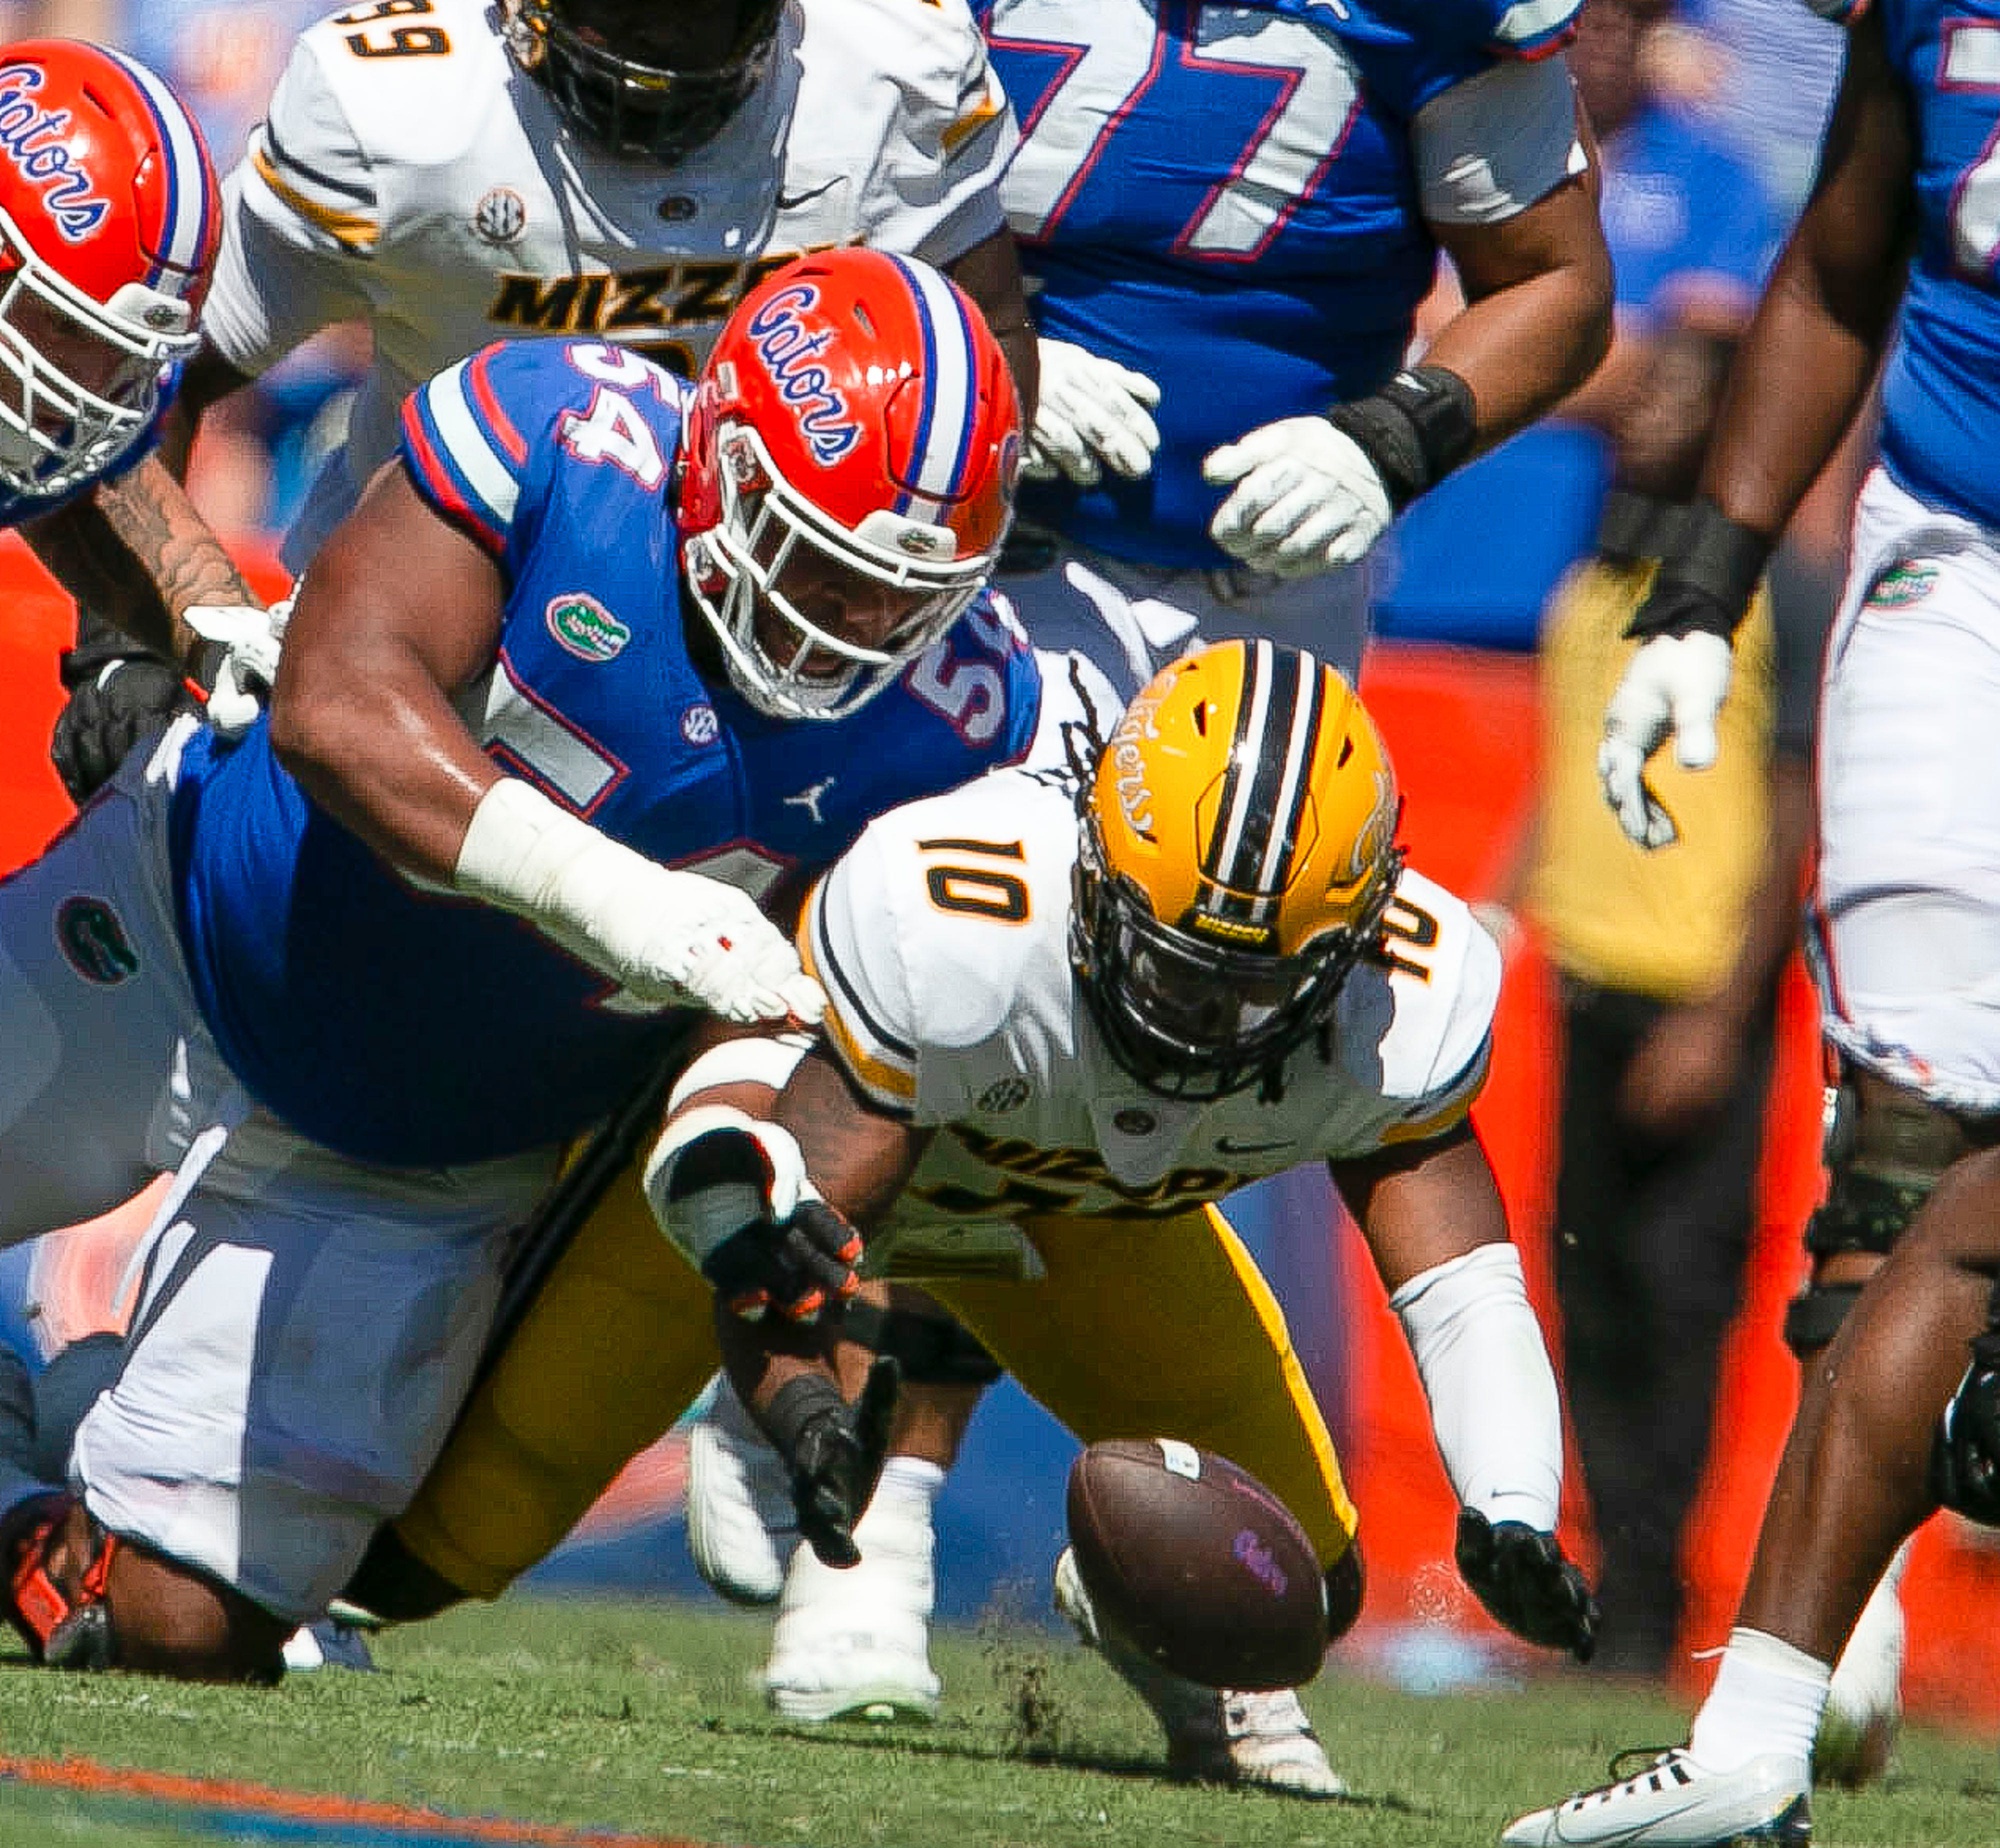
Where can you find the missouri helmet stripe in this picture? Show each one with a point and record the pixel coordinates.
(936, 466)
(190, 230)
(1264, 790)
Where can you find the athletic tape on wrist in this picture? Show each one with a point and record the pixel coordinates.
(1708, 575)
(799, 1404)
(1416, 429)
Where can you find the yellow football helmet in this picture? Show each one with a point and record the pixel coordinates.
(1238, 851)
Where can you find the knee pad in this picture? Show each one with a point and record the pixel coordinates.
(935, 1350)
(1885, 1149)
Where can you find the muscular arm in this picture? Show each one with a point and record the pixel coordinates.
(400, 610)
(136, 553)
(1537, 318)
(1818, 336)
(991, 274)
(1420, 1204)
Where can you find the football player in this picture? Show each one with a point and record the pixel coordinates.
(1037, 1100)
(1224, 294)
(1230, 216)
(451, 172)
(1892, 257)
(596, 664)
(108, 227)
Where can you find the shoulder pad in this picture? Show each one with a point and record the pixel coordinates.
(1444, 29)
(415, 111)
(933, 927)
(1429, 1014)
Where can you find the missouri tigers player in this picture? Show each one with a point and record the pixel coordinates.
(1183, 218)
(451, 172)
(1029, 1101)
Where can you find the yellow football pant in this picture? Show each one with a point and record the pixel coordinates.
(1142, 1328)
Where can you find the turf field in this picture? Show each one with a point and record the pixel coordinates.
(639, 1721)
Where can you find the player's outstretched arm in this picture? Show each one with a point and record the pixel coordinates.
(763, 1191)
(401, 611)
(1432, 1215)
(1308, 494)
(1801, 375)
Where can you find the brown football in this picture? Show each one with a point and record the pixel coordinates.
(1197, 1564)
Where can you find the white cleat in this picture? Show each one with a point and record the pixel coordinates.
(1674, 1803)
(1864, 1704)
(854, 1644)
(1214, 1735)
(741, 1526)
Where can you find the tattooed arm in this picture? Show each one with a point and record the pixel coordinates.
(138, 555)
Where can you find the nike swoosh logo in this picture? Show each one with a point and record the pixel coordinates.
(1228, 1145)
(790, 202)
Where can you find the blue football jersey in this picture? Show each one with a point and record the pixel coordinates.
(407, 1027)
(1941, 393)
(1223, 198)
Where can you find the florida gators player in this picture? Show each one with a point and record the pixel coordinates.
(109, 221)
(1894, 255)
(452, 172)
(1229, 215)
(1061, 1020)
(599, 662)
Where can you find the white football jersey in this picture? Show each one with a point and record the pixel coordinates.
(942, 940)
(410, 176)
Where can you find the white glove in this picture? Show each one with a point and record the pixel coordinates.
(1091, 411)
(673, 939)
(252, 639)
(1307, 498)
(1674, 685)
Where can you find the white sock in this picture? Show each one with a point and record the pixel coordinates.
(1492, 1392)
(1767, 1699)
(908, 1487)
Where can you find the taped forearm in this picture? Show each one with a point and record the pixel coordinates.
(671, 938)
(1492, 1392)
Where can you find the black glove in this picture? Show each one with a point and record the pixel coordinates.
(118, 693)
(834, 1452)
(1524, 1581)
(796, 1263)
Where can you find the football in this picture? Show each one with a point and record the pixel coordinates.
(1197, 1564)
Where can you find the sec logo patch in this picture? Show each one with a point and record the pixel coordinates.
(699, 725)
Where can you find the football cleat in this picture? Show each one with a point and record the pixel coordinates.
(1674, 1803)
(1214, 1735)
(741, 1525)
(329, 1643)
(1864, 1704)
(854, 1643)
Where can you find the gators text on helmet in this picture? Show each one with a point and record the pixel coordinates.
(847, 477)
(109, 219)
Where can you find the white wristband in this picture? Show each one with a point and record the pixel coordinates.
(1492, 1392)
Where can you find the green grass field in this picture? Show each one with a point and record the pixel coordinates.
(643, 1718)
